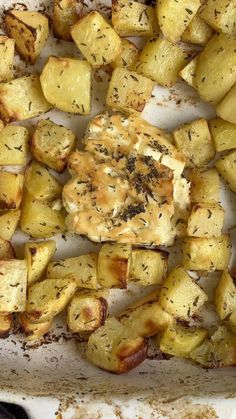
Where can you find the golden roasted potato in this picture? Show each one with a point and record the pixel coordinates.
(197, 32)
(96, 39)
(220, 15)
(116, 348)
(33, 331)
(205, 186)
(52, 144)
(131, 18)
(206, 254)
(8, 223)
(30, 31)
(148, 267)
(82, 269)
(128, 91)
(175, 16)
(225, 109)
(7, 49)
(180, 295)
(47, 298)
(195, 142)
(37, 256)
(5, 324)
(22, 99)
(128, 55)
(223, 134)
(113, 265)
(11, 190)
(161, 61)
(232, 321)
(178, 340)
(13, 285)
(14, 143)
(40, 184)
(39, 219)
(206, 220)
(87, 311)
(216, 68)
(225, 295)
(226, 167)
(146, 316)
(6, 250)
(219, 351)
(65, 14)
(188, 73)
(66, 84)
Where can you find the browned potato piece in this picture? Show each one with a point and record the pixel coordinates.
(220, 15)
(34, 331)
(113, 265)
(205, 186)
(5, 324)
(206, 220)
(225, 295)
(52, 144)
(128, 55)
(197, 32)
(116, 348)
(8, 223)
(148, 267)
(65, 14)
(11, 190)
(226, 167)
(13, 285)
(7, 49)
(6, 250)
(37, 256)
(30, 31)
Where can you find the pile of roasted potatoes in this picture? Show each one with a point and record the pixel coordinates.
(37, 288)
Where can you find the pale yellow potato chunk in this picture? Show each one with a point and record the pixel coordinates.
(225, 295)
(223, 134)
(226, 167)
(128, 91)
(22, 99)
(226, 108)
(37, 256)
(220, 15)
(40, 183)
(13, 285)
(206, 220)
(161, 61)
(7, 49)
(33, 331)
(148, 267)
(128, 55)
(65, 14)
(188, 73)
(197, 32)
(8, 223)
(113, 265)
(195, 142)
(175, 16)
(6, 250)
(205, 186)
(14, 144)
(11, 190)
(180, 295)
(206, 254)
(66, 84)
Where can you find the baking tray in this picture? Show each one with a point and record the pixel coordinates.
(51, 378)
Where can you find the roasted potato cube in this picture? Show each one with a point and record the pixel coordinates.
(7, 49)
(128, 55)
(220, 15)
(5, 324)
(206, 220)
(6, 250)
(175, 16)
(195, 142)
(216, 65)
(131, 18)
(225, 295)
(65, 14)
(226, 167)
(11, 190)
(197, 32)
(14, 142)
(30, 31)
(148, 267)
(188, 73)
(146, 316)
(206, 254)
(8, 223)
(205, 186)
(13, 285)
(49, 297)
(161, 61)
(226, 108)
(22, 98)
(113, 265)
(40, 184)
(33, 331)
(66, 84)
(96, 39)
(128, 91)
(37, 256)
(82, 269)
(87, 311)
(114, 347)
(223, 134)
(180, 341)
(52, 144)
(232, 321)
(180, 295)
(39, 220)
